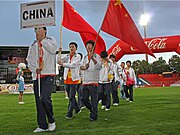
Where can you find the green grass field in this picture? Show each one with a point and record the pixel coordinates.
(155, 111)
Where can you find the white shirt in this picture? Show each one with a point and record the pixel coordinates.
(116, 70)
(49, 47)
(131, 74)
(91, 75)
(73, 65)
(105, 70)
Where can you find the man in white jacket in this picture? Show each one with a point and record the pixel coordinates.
(105, 80)
(41, 60)
(116, 80)
(91, 65)
(71, 63)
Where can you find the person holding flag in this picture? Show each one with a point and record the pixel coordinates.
(40, 58)
(91, 65)
(71, 63)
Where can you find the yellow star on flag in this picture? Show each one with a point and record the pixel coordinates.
(74, 10)
(126, 15)
(118, 3)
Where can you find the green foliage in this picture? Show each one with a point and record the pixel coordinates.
(160, 66)
(142, 67)
(174, 63)
(157, 67)
(155, 111)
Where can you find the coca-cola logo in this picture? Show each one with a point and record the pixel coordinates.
(156, 43)
(116, 49)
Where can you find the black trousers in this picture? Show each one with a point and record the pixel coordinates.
(90, 91)
(104, 90)
(44, 102)
(80, 101)
(114, 91)
(129, 92)
(71, 91)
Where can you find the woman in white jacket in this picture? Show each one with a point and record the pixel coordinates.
(130, 79)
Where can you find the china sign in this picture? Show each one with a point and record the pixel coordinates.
(37, 14)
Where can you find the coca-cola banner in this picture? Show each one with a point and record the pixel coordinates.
(157, 45)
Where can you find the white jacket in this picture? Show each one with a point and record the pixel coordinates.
(49, 46)
(91, 75)
(131, 74)
(103, 75)
(116, 69)
(73, 65)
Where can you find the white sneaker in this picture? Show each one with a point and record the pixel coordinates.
(107, 109)
(127, 99)
(103, 107)
(115, 104)
(38, 130)
(66, 97)
(21, 103)
(52, 126)
(100, 101)
(83, 107)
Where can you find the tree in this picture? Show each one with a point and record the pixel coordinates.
(142, 67)
(136, 66)
(174, 63)
(160, 66)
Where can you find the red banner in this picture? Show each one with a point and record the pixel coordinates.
(157, 45)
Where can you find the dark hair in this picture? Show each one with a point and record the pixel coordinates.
(104, 54)
(74, 43)
(81, 55)
(112, 56)
(43, 28)
(122, 62)
(128, 62)
(90, 42)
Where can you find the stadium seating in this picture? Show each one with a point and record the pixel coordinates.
(159, 79)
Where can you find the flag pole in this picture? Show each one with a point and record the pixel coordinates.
(100, 27)
(61, 28)
(59, 53)
(39, 75)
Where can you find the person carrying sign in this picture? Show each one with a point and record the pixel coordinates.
(41, 57)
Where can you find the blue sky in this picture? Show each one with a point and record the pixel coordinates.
(164, 21)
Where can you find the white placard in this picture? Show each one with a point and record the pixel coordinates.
(37, 14)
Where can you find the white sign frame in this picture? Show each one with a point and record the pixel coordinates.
(37, 14)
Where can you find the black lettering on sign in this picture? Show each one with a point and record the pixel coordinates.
(32, 14)
(50, 12)
(25, 15)
(38, 13)
(42, 13)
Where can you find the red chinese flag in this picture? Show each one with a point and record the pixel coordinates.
(73, 21)
(118, 23)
